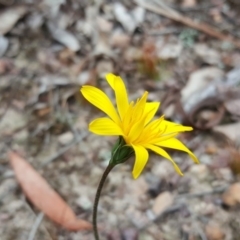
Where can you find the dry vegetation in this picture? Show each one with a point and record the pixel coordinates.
(185, 53)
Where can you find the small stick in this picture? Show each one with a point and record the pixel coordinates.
(35, 226)
(164, 10)
(201, 194)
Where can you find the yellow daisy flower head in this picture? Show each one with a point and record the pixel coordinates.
(135, 124)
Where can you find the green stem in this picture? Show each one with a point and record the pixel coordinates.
(97, 197)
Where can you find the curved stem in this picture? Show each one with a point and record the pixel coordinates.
(97, 196)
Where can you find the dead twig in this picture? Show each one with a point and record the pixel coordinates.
(202, 194)
(161, 8)
(35, 226)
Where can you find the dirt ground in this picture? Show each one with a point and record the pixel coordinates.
(184, 53)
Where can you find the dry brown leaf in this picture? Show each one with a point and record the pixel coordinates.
(44, 197)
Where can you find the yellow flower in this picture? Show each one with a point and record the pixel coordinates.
(134, 122)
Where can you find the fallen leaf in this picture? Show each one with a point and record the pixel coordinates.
(201, 100)
(124, 17)
(231, 197)
(200, 80)
(9, 16)
(64, 37)
(44, 197)
(232, 130)
(139, 15)
(162, 202)
(233, 107)
(207, 55)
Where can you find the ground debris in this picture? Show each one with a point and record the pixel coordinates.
(49, 49)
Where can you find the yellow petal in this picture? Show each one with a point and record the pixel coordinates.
(105, 126)
(139, 107)
(155, 124)
(158, 139)
(110, 77)
(163, 153)
(150, 110)
(135, 131)
(140, 161)
(100, 100)
(151, 130)
(120, 92)
(127, 119)
(174, 127)
(178, 145)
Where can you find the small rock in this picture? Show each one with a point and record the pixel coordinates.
(146, 236)
(138, 218)
(84, 202)
(231, 197)
(65, 138)
(169, 50)
(189, 3)
(114, 235)
(200, 171)
(162, 169)
(226, 174)
(112, 218)
(130, 234)
(103, 67)
(120, 40)
(214, 232)
(162, 202)
(84, 77)
(133, 54)
(104, 25)
(139, 187)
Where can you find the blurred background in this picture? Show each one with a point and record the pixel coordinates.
(184, 52)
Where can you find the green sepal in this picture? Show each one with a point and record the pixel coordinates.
(121, 152)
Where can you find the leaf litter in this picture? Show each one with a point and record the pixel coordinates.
(49, 49)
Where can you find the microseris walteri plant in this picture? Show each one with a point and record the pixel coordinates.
(138, 130)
